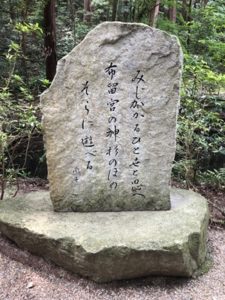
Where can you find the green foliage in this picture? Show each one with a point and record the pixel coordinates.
(200, 156)
(207, 34)
(81, 31)
(199, 79)
(18, 112)
(28, 28)
(214, 178)
(201, 127)
(101, 11)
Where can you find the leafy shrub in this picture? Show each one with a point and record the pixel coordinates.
(201, 127)
(214, 178)
(19, 114)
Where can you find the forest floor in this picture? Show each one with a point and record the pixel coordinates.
(25, 276)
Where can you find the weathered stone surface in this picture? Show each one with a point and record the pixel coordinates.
(108, 246)
(110, 133)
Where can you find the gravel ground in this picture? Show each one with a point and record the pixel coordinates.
(25, 276)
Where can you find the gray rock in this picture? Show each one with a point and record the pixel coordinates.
(109, 132)
(108, 246)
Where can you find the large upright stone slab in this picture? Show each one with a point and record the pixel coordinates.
(109, 120)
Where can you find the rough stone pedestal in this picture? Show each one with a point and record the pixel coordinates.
(107, 246)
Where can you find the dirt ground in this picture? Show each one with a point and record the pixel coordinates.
(25, 276)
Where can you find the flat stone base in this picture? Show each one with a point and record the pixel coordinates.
(108, 246)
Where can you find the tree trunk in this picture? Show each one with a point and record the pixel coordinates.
(153, 14)
(23, 40)
(87, 11)
(71, 8)
(126, 10)
(50, 39)
(205, 2)
(189, 10)
(12, 12)
(173, 12)
(184, 10)
(189, 19)
(114, 9)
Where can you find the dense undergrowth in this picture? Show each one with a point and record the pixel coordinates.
(200, 156)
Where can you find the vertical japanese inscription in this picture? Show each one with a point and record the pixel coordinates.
(112, 131)
(137, 114)
(86, 125)
(112, 126)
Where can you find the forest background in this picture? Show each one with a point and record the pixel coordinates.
(35, 34)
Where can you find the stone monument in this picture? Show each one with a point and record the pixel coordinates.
(109, 121)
